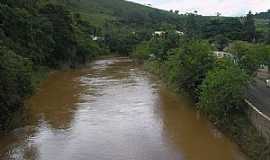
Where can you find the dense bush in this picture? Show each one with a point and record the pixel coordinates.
(220, 42)
(222, 92)
(63, 34)
(187, 66)
(120, 42)
(142, 51)
(230, 28)
(181, 62)
(158, 46)
(250, 56)
(15, 84)
(34, 36)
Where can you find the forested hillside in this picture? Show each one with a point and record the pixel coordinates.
(103, 11)
(262, 22)
(34, 36)
(124, 24)
(38, 35)
(123, 18)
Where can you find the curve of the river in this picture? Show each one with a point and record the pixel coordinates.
(113, 110)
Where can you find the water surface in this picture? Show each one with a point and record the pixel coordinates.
(113, 110)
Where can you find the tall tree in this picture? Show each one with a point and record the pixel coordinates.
(247, 56)
(250, 28)
(15, 84)
(192, 26)
(63, 35)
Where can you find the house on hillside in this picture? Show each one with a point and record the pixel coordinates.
(163, 33)
(179, 33)
(221, 54)
(263, 68)
(96, 38)
(159, 33)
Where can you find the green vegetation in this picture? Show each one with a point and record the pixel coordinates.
(15, 82)
(188, 65)
(142, 50)
(222, 92)
(127, 14)
(218, 85)
(34, 37)
(263, 15)
(250, 56)
(39, 35)
(221, 99)
(249, 28)
(123, 24)
(230, 28)
(55, 34)
(246, 135)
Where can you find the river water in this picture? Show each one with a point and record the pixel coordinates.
(113, 110)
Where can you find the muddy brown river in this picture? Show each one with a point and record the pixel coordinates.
(113, 110)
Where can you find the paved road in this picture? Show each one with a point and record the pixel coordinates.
(259, 95)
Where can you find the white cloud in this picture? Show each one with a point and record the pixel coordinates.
(211, 7)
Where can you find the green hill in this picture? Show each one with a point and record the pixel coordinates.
(125, 15)
(100, 12)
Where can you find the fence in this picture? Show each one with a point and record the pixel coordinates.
(259, 120)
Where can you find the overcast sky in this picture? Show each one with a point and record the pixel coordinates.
(211, 7)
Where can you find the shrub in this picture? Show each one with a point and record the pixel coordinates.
(187, 66)
(15, 84)
(142, 51)
(247, 56)
(222, 92)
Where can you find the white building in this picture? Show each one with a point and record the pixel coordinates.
(162, 33)
(159, 33)
(221, 54)
(95, 38)
(179, 33)
(263, 68)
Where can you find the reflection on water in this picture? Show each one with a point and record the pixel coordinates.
(113, 110)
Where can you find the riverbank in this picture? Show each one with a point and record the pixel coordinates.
(249, 139)
(34, 77)
(113, 109)
(239, 129)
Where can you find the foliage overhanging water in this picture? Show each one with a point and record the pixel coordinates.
(113, 110)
